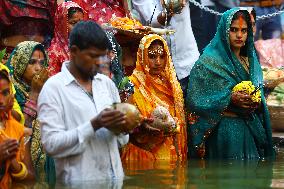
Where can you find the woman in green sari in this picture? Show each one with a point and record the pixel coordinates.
(28, 68)
(226, 124)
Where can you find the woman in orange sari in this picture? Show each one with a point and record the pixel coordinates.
(156, 85)
(15, 161)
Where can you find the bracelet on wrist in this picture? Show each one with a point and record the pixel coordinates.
(22, 174)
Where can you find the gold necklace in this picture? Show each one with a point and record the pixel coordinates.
(244, 63)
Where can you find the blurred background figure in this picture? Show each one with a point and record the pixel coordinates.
(266, 28)
(25, 20)
(224, 5)
(101, 11)
(67, 15)
(203, 23)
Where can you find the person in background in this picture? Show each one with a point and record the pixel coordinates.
(116, 69)
(203, 23)
(111, 66)
(268, 28)
(224, 5)
(26, 20)
(269, 51)
(252, 13)
(101, 11)
(84, 144)
(182, 44)
(282, 22)
(67, 15)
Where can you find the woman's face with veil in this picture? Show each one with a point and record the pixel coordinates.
(238, 33)
(156, 58)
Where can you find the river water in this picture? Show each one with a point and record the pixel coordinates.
(194, 174)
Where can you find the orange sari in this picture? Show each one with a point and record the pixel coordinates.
(151, 92)
(13, 130)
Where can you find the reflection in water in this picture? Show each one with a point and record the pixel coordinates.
(161, 174)
(230, 174)
(195, 174)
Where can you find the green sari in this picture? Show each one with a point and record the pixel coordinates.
(212, 79)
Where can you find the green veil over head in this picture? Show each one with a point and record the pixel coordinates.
(212, 79)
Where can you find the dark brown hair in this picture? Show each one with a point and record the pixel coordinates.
(245, 15)
(4, 75)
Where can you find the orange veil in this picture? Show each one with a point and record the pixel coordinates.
(12, 130)
(150, 92)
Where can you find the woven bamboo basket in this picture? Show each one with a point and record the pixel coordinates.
(276, 117)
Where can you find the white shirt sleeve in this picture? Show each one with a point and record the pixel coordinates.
(57, 141)
(114, 92)
(146, 8)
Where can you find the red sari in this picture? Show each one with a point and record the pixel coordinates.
(58, 51)
(101, 11)
(26, 18)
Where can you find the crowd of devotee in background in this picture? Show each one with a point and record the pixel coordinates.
(61, 71)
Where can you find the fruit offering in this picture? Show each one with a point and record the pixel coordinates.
(133, 116)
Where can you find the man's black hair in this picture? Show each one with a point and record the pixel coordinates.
(86, 34)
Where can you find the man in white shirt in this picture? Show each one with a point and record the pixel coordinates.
(77, 127)
(182, 43)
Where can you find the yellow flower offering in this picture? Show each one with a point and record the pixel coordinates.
(125, 23)
(248, 88)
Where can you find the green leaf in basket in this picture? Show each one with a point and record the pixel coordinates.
(279, 89)
(280, 97)
(264, 69)
(2, 54)
(123, 82)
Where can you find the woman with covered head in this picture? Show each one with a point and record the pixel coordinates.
(28, 68)
(228, 113)
(15, 161)
(156, 89)
(67, 15)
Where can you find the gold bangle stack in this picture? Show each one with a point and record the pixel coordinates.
(22, 174)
